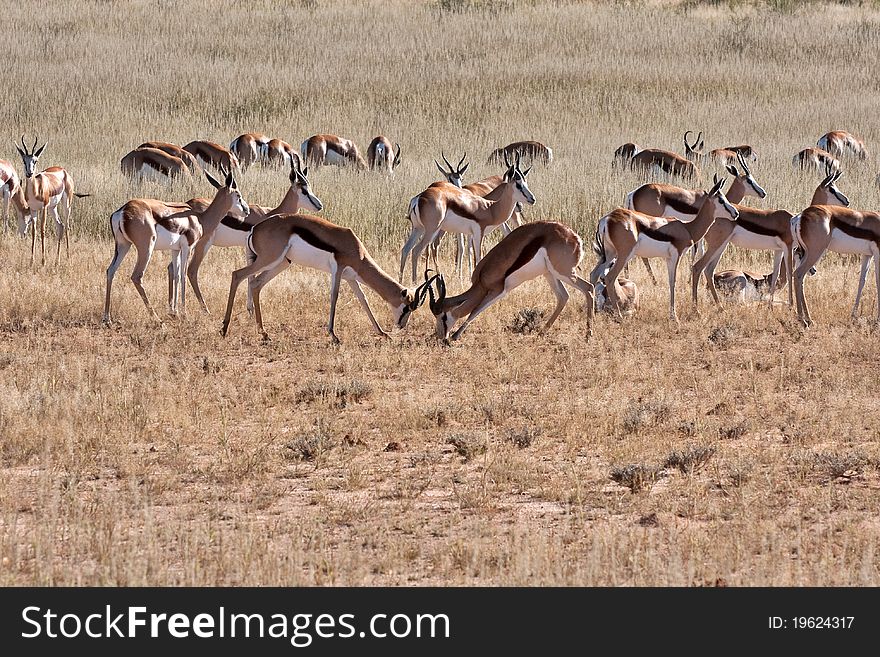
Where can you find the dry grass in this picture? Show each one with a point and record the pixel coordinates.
(747, 448)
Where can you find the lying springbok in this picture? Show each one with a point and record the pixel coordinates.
(141, 162)
(381, 156)
(758, 229)
(281, 154)
(532, 150)
(9, 184)
(745, 286)
(152, 225)
(624, 153)
(331, 149)
(541, 248)
(840, 142)
(445, 207)
(815, 158)
(210, 153)
(623, 234)
(175, 150)
(42, 193)
(629, 293)
(233, 232)
(310, 241)
(249, 148)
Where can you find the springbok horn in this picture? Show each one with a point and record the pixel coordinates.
(34, 147)
(687, 146)
(23, 145)
(461, 161)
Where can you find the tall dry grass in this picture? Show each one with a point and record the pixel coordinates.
(735, 448)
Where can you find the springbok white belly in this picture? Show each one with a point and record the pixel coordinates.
(302, 253)
(454, 223)
(668, 211)
(168, 241)
(332, 157)
(746, 239)
(36, 206)
(647, 247)
(226, 236)
(843, 243)
(535, 267)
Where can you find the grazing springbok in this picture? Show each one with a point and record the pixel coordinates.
(249, 148)
(284, 239)
(331, 149)
(445, 207)
(655, 159)
(629, 297)
(152, 225)
(731, 154)
(210, 153)
(281, 154)
(9, 184)
(840, 142)
(624, 153)
(233, 232)
(541, 248)
(142, 162)
(694, 151)
(623, 234)
(381, 156)
(744, 286)
(43, 193)
(815, 158)
(175, 150)
(533, 151)
(822, 228)
(758, 229)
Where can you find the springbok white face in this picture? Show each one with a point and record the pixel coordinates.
(29, 156)
(410, 302)
(300, 180)
(522, 193)
(719, 200)
(839, 195)
(454, 175)
(751, 183)
(239, 208)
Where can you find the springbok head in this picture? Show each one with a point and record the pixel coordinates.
(455, 173)
(830, 183)
(716, 196)
(749, 179)
(238, 208)
(522, 193)
(299, 180)
(29, 156)
(411, 300)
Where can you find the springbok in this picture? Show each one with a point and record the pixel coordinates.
(249, 148)
(541, 248)
(143, 161)
(746, 285)
(822, 228)
(445, 207)
(381, 156)
(731, 154)
(758, 229)
(694, 152)
(624, 153)
(668, 162)
(233, 232)
(629, 293)
(840, 142)
(175, 150)
(43, 193)
(210, 153)
(331, 149)
(623, 234)
(9, 184)
(281, 154)
(310, 241)
(815, 158)
(152, 225)
(532, 150)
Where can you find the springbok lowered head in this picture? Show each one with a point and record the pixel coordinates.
(381, 156)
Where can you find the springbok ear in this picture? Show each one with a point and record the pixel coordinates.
(230, 181)
(213, 180)
(442, 170)
(20, 152)
(40, 150)
(732, 170)
(837, 176)
(526, 172)
(461, 173)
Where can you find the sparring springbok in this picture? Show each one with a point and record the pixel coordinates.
(624, 153)
(541, 248)
(249, 148)
(532, 150)
(822, 228)
(758, 229)
(43, 193)
(143, 161)
(281, 154)
(331, 149)
(9, 184)
(662, 200)
(208, 152)
(841, 142)
(815, 158)
(623, 234)
(173, 149)
(668, 162)
(445, 207)
(284, 239)
(152, 225)
(381, 156)
(233, 232)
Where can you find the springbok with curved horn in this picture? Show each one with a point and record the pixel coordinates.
(210, 153)
(623, 234)
(694, 151)
(445, 207)
(840, 142)
(541, 248)
(815, 158)
(331, 149)
(249, 148)
(144, 161)
(233, 231)
(43, 193)
(310, 241)
(758, 229)
(152, 225)
(534, 151)
(381, 156)
(173, 149)
(9, 184)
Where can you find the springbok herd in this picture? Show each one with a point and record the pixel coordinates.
(658, 220)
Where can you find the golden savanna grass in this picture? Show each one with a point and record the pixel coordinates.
(735, 448)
